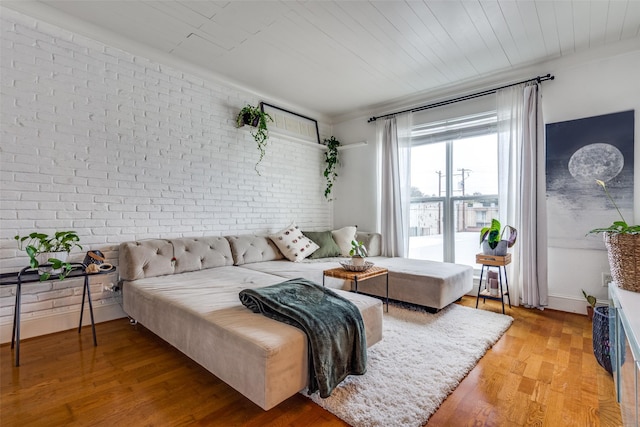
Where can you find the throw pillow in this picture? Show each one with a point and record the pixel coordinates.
(343, 238)
(324, 239)
(293, 244)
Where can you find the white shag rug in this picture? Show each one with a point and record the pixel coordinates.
(421, 359)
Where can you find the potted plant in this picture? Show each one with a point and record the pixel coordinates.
(331, 160)
(358, 253)
(592, 303)
(623, 249)
(45, 249)
(255, 117)
(492, 241)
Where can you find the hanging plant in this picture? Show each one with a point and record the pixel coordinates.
(255, 117)
(331, 159)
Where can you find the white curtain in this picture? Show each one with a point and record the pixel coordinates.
(394, 140)
(521, 187)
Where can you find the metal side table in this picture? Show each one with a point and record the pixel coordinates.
(500, 262)
(30, 275)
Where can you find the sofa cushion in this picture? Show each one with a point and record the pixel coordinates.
(145, 258)
(324, 239)
(198, 253)
(293, 244)
(343, 238)
(249, 248)
(159, 257)
(371, 241)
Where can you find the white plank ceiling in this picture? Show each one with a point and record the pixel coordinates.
(334, 57)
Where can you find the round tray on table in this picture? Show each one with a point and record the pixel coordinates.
(349, 266)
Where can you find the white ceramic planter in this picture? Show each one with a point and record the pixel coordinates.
(357, 261)
(43, 258)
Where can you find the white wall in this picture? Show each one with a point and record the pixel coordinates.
(585, 85)
(118, 147)
(585, 89)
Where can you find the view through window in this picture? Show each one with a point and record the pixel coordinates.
(454, 187)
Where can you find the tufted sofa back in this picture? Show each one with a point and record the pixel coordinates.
(159, 257)
(247, 248)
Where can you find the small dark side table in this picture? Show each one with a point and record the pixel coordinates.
(30, 275)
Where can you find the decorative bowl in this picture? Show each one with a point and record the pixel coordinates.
(348, 265)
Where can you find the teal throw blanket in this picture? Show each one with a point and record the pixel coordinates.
(333, 324)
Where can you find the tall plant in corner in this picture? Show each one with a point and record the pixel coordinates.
(618, 227)
(255, 117)
(332, 161)
(623, 248)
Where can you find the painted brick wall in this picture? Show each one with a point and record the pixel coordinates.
(118, 148)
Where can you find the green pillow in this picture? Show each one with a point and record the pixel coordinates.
(324, 239)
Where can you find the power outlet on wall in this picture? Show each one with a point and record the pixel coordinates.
(606, 279)
(111, 287)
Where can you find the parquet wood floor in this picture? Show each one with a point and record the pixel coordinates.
(542, 372)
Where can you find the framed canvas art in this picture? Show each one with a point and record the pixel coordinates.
(289, 123)
(577, 153)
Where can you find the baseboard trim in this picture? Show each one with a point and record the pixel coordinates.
(570, 304)
(557, 302)
(33, 327)
(36, 326)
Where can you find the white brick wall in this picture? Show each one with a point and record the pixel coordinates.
(118, 148)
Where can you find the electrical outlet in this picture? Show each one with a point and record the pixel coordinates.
(111, 287)
(606, 279)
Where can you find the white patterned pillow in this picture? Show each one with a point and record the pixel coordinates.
(343, 238)
(293, 244)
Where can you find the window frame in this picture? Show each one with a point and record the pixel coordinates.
(448, 131)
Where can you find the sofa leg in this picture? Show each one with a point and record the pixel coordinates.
(432, 310)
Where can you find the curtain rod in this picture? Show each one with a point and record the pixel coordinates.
(463, 98)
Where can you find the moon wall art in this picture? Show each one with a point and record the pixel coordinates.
(579, 152)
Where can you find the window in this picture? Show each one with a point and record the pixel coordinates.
(454, 187)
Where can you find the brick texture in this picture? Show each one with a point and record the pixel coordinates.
(117, 148)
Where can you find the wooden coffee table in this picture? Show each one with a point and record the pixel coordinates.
(358, 276)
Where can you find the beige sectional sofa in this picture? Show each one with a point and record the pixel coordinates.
(185, 290)
(428, 283)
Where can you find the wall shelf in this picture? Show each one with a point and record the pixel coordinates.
(281, 135)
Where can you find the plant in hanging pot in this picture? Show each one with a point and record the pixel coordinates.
(53, 250)
(331, 160)
(623, 248)
(358, 253)
(255, 117)
(492, 240)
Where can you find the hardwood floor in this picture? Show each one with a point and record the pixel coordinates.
(542, 372)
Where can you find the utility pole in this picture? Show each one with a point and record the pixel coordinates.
(464, 172)
(439, 203)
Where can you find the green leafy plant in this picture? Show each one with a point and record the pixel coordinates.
(36, 243)
(255, 117)
(590, 299)
(493, 235)
(358, 249)
(331, 160)
(618, 227)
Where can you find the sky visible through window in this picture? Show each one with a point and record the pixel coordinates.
(476, 156)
